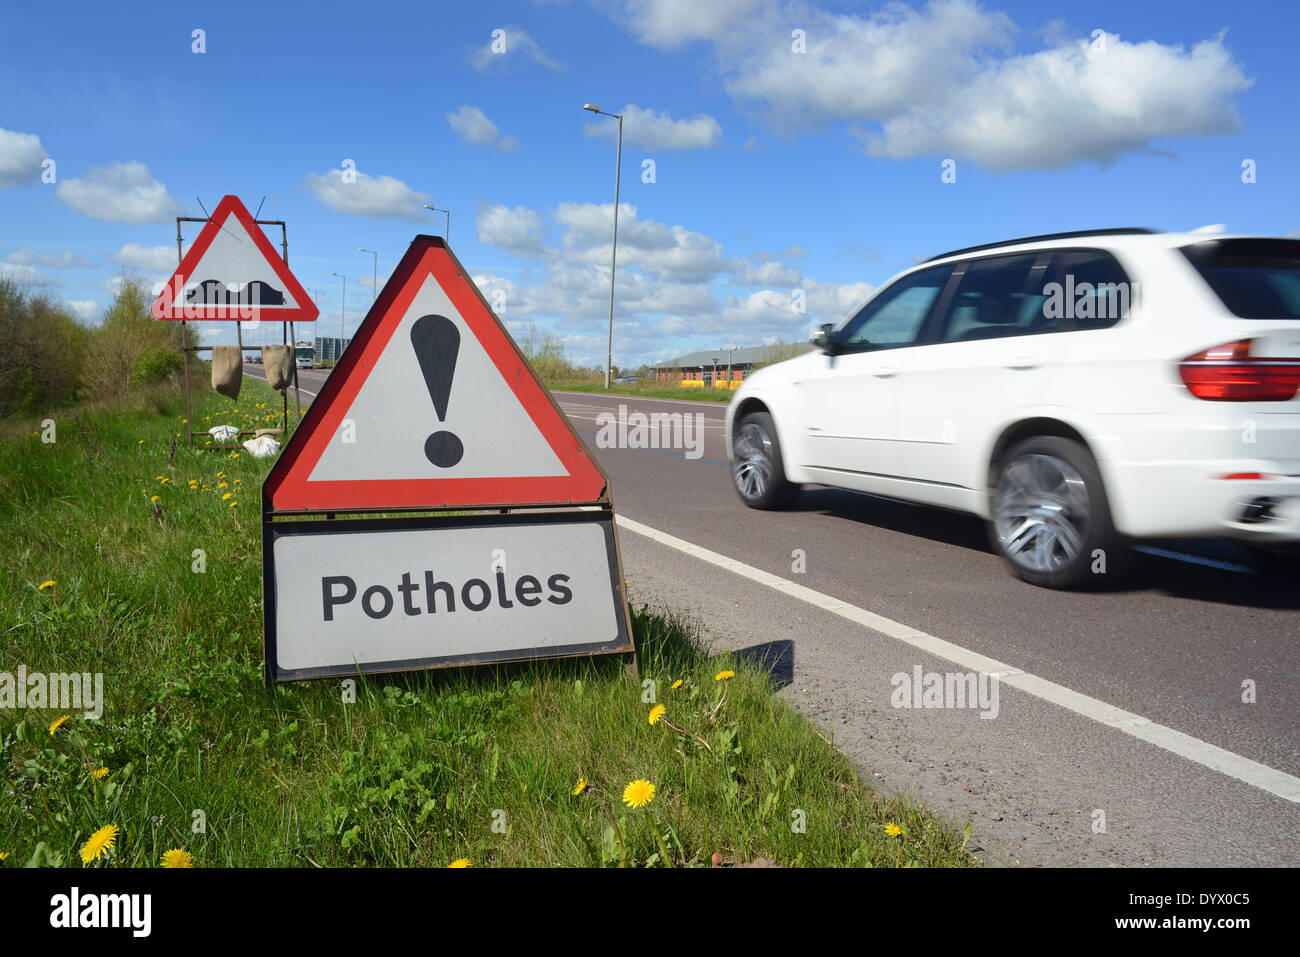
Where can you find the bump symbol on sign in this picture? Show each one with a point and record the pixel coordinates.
(437, 341)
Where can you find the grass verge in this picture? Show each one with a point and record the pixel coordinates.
(154, 558)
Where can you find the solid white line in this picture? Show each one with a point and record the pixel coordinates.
(628, 396)
(1176, 742)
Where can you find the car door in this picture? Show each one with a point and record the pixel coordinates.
(980, 362)
(848, 394)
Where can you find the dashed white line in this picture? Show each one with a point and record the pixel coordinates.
(1200, 752)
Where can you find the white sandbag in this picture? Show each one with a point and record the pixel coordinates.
(223, 433)
(262, 447)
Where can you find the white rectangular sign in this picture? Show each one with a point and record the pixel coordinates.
(401, 594)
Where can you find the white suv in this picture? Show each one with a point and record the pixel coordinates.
(1074, 390)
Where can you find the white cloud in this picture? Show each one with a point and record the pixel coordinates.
(26, 275)
(946, 80)
(658, 130)
(670, 23)
(508, 49)
(518, 230)
(120, 193)
(378, 197)
(84, 308)
(23, 256)
(669, 252)
(21, 155)
(151, 258)
(473, 126)
(768, 273)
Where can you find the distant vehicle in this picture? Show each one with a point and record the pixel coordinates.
(1077, 391)
(625, 379)
(306, 356)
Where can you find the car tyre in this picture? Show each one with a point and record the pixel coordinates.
(757, 469)
(1051, 518)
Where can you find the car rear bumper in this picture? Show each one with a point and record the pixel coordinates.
(1193, 499)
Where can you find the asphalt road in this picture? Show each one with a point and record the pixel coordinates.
(1172, 649)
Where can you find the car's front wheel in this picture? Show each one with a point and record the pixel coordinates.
(1051, 520)
(757, 469)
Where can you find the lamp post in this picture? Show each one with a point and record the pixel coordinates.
(713, 384)
(344, 309)
(374, 281)
(447, 234)
(613, 252)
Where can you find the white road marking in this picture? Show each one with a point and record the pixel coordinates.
(1193, 749)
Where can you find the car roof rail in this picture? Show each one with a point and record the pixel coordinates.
(1120, 231)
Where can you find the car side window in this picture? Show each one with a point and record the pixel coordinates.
(894, 318)
(1087, 289)
(996, 297)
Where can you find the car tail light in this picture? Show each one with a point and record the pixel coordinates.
(1229, 373)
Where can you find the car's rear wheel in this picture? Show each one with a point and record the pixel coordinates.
(1051, 520)
(757, 469)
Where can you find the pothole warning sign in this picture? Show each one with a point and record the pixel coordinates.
(433, 408)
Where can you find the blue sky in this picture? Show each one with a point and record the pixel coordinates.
(780, 175)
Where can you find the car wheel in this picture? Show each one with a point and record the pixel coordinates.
(756, 465)
(1051, 520)
(1281, 564)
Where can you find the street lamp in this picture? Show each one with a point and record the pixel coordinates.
(714, 383)
(344, 308)
(447, 234)
(374, 281)
(613, 252)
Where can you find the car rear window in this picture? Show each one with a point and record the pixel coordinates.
(1255, 278)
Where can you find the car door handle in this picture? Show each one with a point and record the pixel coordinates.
(1020, 363)
(885, 372)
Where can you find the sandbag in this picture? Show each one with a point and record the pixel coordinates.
(227, 370)
(279, 364)
(262, 447)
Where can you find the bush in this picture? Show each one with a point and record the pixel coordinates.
(156, 365)
(43, 352)
(127, 348)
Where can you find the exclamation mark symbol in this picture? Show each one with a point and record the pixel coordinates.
(437, 341)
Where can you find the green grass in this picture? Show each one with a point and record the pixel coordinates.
(421, 769)
(649, 390)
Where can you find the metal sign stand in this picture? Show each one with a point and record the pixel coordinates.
(286, 337)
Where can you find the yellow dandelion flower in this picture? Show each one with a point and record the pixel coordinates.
(226, 496)
(221, 475)
(580, 786)
(221, 485)
(460, 862)
(58, 723)
(177, 858)
(153, 498)
(677, 684)
(48, 583)
(100, 842)
(4, 855)
(233, 504)
(657, 712)
(638, 794)
(99, 773)
(141, 442)
(892, 829)
(724, 675)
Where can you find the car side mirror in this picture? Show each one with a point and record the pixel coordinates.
(825, 339)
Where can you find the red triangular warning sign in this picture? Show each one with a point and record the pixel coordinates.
(232, 272)
(432, 406)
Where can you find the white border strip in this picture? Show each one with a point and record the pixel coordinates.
(1184, 745)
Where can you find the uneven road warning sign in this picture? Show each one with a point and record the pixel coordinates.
(431, 409)
(232, 272)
